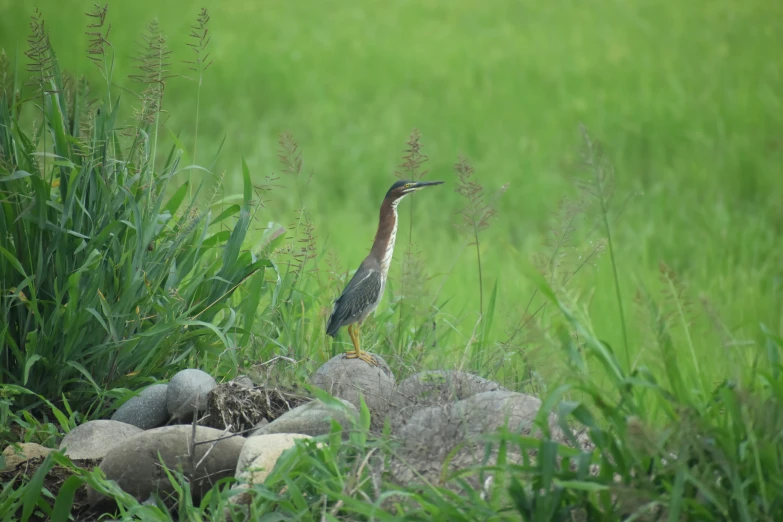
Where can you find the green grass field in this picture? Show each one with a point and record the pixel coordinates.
(685, 97)
(669, 252)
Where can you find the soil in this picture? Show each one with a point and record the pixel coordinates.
(53, 480)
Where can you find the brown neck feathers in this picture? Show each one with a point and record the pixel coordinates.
(387, 230)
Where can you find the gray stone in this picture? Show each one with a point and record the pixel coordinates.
(146, 410)
(135, 464)
(437, 387)
(349, 378)
(428, 435)
(187, 392)
(313, 418)
(94, 439)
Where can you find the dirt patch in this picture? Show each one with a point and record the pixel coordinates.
(20, 474)
(241, 408)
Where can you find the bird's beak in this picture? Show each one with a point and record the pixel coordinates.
(423, 184)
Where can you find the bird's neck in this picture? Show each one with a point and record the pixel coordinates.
(383, 246)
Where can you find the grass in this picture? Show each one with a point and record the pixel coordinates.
(690, 120)
(651, 292)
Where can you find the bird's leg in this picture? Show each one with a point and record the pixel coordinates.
(364, 356)
(357, 353)
(352, 354)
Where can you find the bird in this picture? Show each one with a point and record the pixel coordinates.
(364, 291)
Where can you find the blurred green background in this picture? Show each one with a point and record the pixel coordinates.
(686, 96)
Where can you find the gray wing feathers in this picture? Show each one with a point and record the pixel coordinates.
(360, 293)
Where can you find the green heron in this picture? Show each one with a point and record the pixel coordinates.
(365, 289)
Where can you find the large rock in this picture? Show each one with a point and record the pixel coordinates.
(260, 453)
(313, 418)
(15, 454)
(349, 378)
(94, 439)
(428, 435)
(135, 464)
(258, 458)
(146, 410)
(438, 387)
(187, 393)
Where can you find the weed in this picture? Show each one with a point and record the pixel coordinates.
(476, 217)
(199, 36)
(601, 187)
(128, 284)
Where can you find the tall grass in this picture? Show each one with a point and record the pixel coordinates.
(413, 280)
(699, 141)
(201, 61)
(112, 275)
(477, 214)
(108, 273)
(602, 187)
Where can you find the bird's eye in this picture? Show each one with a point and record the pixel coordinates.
(407, 185)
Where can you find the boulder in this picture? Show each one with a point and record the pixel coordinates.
(187, 392)
(437, 387)
(146, 410)
(260, 453)
(94, 439)
(428, 435)
(258, 458)
(349, 378)
(136, 463)
(313, 418)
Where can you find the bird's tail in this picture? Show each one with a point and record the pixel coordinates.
(333, 326)
(332, 329)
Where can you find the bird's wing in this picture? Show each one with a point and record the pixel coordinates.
(359, 293)
(361, 279)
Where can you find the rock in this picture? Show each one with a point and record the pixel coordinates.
(135, 464)
(260, 453)
(94, 439)
(429, 434)
(146, 410)
(349, 378)
(187, 391)
(17, 453)
(313, 418)
(258, 458)
(441, 386)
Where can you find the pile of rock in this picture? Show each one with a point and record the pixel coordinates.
(241, 430)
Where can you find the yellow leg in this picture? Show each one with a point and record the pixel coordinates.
(354, 331)
(355, 352)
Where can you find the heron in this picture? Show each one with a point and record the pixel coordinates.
(364, 291)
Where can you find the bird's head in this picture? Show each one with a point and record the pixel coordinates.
(404, 187)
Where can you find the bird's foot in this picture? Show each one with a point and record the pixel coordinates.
(369, 359)
(364, 356)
